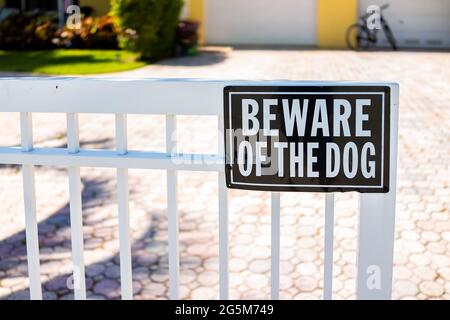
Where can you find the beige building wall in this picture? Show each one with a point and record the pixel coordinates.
(102, 7)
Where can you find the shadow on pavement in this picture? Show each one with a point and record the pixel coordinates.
(202, 59)
(103, 277)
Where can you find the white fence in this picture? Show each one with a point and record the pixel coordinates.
(171, 98)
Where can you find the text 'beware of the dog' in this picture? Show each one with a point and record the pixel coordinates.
(313, 138)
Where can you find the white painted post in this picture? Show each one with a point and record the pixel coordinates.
(76, 213)
(377, 227)
(328, 247)
(275, 246)
(29, 194)
(172, 208)
(223, 223)
(126, 278)
(61, 13)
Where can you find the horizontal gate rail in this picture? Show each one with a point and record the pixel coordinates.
(172, 97)
(110, 159)
(127, 96)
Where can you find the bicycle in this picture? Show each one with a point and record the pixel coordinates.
(367, 38)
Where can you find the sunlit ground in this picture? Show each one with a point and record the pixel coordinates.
(74, 62)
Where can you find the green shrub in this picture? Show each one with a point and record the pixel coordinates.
(39, 31)
(147, 26)
(27, 31)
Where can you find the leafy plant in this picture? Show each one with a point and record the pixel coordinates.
(147, 26)
(95, 33)
(27, 31)
(186, 38)
(37, 31)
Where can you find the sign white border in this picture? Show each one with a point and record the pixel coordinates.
(306, 185)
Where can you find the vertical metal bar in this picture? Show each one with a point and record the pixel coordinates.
(76, 214)
(328, 247)
(377, 227)
(29, 195)
(126, 278)
(275, 245)
(172, 208)
(223, 223)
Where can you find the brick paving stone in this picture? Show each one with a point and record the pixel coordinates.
(68, 296)
(425, 273)
(430, 236)
(141, 273)
(307, 255)
(145, 258)
(112, 272)
(12, 281)
(137, 287)
(108, 288)
(187, 276)
(306, 284)
(444, 273)
(256, 281)
(446, 235)
(211, 263)
(4, 291)
(236, 265)
(259, 266)
(289, 254)
(405, 288)
(184, 292)
(156, 289)
(350, 270)
(203, 293)
(287, 266)
(95, 297)
(208, 278)
(431, 289)
(307, 242)
(437, 247)
(95, 270)
(57, 284)
(420, 259)
(440, 260)
(402, 273)
(159, 277)
(410, 235)
(307, 269)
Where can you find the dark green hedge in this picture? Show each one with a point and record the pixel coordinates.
(147, 26)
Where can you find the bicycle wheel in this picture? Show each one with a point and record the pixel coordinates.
(358, 37)
(390, 37)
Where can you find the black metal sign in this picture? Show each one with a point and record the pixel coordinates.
(309, 138)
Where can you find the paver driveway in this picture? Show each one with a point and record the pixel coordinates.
(422, 247)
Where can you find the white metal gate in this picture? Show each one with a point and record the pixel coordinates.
(172, 98)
